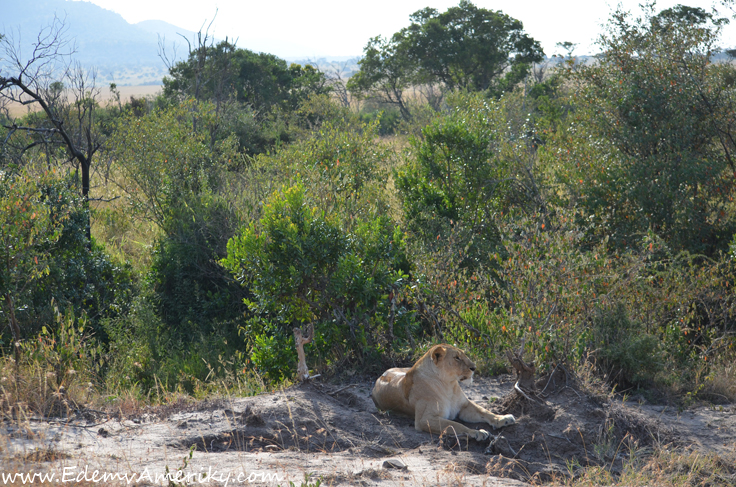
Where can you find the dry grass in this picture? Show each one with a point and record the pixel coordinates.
(721, 383)
(125, 237)
(662, 467)
(105, 97)
(36, 389)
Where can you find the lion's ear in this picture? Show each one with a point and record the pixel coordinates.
(438, 354)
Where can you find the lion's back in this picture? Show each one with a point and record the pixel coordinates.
(388, 392)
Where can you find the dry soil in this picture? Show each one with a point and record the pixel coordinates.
(335, 434)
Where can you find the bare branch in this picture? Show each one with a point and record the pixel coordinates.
(50, 54)
(169, 63)
(68, 111)
(105, 200)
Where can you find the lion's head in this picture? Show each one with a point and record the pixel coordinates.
(452, 363)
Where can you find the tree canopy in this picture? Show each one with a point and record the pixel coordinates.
(650, 144)
(465, 47)
(262, 80)
(469, 47)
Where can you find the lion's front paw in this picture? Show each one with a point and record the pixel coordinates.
(481, 435)
(507, 419)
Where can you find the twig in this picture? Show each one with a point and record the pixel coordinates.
(105, 200)
(550, 378)
(573, 390)
(334, 393)
(511, 448)
(516, 386)
(70, 424)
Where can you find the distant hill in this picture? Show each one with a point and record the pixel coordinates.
(344, 66)
(124, 53)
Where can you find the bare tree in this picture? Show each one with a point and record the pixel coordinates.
(337, 80)
(197, 55)
(207, 73)
(66, 95)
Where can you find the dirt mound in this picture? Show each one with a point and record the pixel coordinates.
(334, 432)
(306, 418)
(559, 428)
(563, 429)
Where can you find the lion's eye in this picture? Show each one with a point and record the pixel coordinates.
(457, 358)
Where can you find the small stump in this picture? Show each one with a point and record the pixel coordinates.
(302, 371)
(524, 371)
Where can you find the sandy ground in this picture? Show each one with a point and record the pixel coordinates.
(334, 433)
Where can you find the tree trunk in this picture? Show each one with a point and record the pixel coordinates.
(524, 372)
(302, 371)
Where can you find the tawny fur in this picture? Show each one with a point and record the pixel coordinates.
(430, 392)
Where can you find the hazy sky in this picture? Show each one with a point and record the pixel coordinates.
(313, 28)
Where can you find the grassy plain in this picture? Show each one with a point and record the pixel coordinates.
(105, 97)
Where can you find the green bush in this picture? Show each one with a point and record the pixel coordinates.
(135, 346)
(145, 356)
(79, 275)
(194, 294)
(626, 354)
(647, 317)
(27, 230)
(163, 159)
(175, 179)
(648, 149)
(302, 266)
(388, 120)
(458, 175)
(341, 164)
(342, 154)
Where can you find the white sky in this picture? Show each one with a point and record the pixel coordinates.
(316, 28)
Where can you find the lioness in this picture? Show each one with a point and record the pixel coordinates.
(430, 391)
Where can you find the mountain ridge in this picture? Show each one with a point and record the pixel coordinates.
(120, 52)
(124, 53)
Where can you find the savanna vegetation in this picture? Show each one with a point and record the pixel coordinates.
(471, 191)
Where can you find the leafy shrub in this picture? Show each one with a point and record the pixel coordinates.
(315, 110)
(648, 148)
(82, 275)
(341, 153)
(463, 171)
(136, 346)
(146, 357)
(388, 120)
(341, 164)
(654, 317)
(302, 266)
(194, 294)
(647, 318)
(627, 355)
(27, 229)
(174, 178)
(163, 158)
(76, 274)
